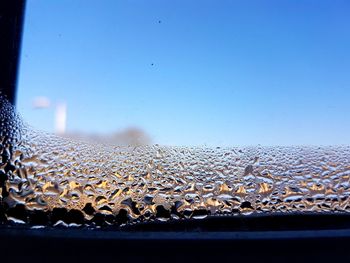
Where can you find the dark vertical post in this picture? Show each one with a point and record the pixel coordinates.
(11, 24)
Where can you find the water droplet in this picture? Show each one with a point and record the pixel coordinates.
(78, 183)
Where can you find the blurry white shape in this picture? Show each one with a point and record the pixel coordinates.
(41, 103)
(61, 118)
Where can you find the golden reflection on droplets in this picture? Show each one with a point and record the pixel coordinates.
(44, 172)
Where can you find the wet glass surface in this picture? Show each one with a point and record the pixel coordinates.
(43, 173)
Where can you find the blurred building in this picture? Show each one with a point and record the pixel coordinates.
(129, 136)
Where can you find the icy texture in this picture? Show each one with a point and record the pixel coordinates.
(43, 172)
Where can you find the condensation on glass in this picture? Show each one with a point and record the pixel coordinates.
(42, 174)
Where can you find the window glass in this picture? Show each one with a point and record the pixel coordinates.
(142, 110)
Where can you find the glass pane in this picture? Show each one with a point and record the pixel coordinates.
(182, 109)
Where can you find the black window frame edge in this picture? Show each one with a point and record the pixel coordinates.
(158, 241)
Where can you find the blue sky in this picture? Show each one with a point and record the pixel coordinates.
(192, 72)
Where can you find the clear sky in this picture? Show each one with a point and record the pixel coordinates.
(192, 72)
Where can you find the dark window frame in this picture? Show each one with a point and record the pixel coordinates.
(273, 237)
